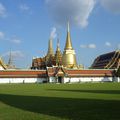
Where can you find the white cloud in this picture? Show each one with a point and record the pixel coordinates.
(2, 10)
(90, 46)
(24, 7)
(83, 46)
(16, 41)
(13, 39)
(2, 35)
(111, 5)
(108, 44)
(76, 11)
(15, 54)
(53, 33)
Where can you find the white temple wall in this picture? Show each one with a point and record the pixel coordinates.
(22, 80)
(41, 80)
(118, 79)
(87, 79)
(52, 79)
(4, 80)
(65, 80)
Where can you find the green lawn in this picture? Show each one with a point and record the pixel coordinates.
(90, 101)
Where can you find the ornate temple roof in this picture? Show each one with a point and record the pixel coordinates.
(23, 74)
(107, 61)
(61, 71)
(2, 65)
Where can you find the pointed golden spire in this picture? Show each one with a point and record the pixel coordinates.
(68, 39)
(50, 48)
(58, 54)
(69, 57)
(58, 45)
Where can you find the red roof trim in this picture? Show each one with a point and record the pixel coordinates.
(44, 73)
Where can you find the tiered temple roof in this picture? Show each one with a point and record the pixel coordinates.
(2, 65)
(107, 61)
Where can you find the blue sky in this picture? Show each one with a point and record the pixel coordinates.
(26, 26)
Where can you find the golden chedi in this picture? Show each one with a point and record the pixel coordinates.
(50, 54)
(69, 56)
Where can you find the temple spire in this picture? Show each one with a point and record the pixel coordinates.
(10, 62)
(58, 54)
(58, 45)
(50, 48)
(69, 57)
(68, 39)
(10, 59)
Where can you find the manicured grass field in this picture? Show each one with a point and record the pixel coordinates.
(90, 101)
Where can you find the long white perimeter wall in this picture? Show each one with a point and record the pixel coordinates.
(22, 80)
(85, 79)
(64, 80)
(88, 79)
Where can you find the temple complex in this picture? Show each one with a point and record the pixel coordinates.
(67, 59)
(58, 67)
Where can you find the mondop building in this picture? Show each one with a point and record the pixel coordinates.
(62, 68)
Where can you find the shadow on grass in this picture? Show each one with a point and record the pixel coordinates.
(69, 108)
(89, 91)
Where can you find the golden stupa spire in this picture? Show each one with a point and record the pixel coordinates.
(58, 45)
(69, 57)
(50, 48)
(68, 39)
